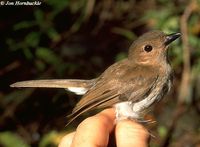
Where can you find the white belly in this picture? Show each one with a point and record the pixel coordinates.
(137, 110)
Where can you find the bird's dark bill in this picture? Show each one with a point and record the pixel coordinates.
(171, 37)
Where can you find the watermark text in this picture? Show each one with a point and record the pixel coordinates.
(20, 3)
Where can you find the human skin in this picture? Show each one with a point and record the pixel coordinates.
(95, 132)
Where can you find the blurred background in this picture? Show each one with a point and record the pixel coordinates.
(80, 39)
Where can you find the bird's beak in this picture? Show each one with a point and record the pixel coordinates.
(171, 37)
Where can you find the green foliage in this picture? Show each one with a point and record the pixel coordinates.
(23, 25)
(10, 139)
(120, 56)
(162, 131)
(32, 39)
(48, 56)
(50, 139)
(58, 6)
(43, 40)
(164, 20)
(125, 33)
(53, 35)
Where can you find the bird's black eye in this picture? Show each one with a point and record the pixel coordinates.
(148, 48)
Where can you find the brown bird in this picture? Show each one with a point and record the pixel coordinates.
(132, 85)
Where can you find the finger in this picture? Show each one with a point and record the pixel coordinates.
(94, 131)
(67, 140)
(130, 133)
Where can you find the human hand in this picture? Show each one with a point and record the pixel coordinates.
(95, 132)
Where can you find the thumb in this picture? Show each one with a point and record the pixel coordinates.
(130, 133)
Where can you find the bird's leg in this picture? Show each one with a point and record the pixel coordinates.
(146, 121)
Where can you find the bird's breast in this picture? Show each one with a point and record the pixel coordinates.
(162, 86)
(136, 110)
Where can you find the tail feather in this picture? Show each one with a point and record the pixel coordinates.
(76, 86)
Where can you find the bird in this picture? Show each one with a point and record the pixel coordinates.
(131, 86)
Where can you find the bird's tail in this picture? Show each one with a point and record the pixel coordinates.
(77, 86)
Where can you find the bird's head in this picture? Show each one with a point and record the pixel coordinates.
(151, 47)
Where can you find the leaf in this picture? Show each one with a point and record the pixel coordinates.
(124, 32)
(172, 24)
(194, 41)
(10, 139)
(32, 39)
(58, 5)
(47, 55)
(50, 139)
(77, 6)
(159, 18)
(120, 56)
(13, 45)
(162, 131)
(53, 34)
(27, 53)
(24, 25)
(39, 15)
(177, 53)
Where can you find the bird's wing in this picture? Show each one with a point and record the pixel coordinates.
(96, 97)
(106, 93)
(77, 86)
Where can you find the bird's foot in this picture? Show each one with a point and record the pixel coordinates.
(146, 121)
